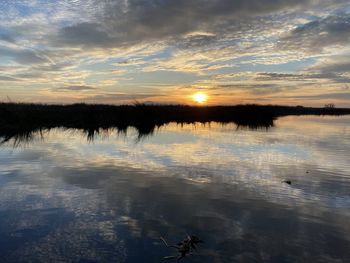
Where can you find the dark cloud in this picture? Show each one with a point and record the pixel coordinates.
(134, 21)
(29, 75)
(198, 40)
(5, 36)
(333, 76)
(85, 34)
(75, 88)
(255, 88)
(334, 64)
(334, 95)
(131, 62)
(316, 35)
(280, 76)
(23, 56)
(333, 69)
(7, 78)
(22, 75)
(342, 67)
(119, 97)
(54, 67)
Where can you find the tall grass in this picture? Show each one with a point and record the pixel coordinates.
(19, 120)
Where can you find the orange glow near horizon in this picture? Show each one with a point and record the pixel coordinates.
(200, 97)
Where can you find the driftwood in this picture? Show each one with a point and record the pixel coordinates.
(184, 248)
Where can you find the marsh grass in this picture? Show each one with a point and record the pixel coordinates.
(19, 121)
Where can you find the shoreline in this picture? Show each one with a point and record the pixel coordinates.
(21, 119)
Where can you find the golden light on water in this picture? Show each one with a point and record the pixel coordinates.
(200, 97)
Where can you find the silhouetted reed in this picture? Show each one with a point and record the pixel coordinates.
(19, 121)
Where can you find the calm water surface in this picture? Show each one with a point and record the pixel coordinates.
(66, 199)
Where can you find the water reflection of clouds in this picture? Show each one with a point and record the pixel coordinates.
(113, 190)
(150, 205)
(245, 157)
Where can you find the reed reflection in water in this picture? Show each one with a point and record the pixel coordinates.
(110, 199)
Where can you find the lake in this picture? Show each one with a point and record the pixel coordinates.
(68, 198)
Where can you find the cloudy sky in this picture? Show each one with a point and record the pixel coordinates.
(122, 51)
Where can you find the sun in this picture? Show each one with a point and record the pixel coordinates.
(200, 97)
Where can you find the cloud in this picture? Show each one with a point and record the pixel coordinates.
(256, 88)
(119, 97)
(5, 36)
(75, 88)
(135, 21)
(84, 34)
(318, 34)
(23, 56)
(335, 64)
(332, 76)
(7, 78)
(130, 62)
(334, 95)
(265, 76)
(80, 44)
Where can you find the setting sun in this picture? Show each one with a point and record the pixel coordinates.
(200, 97)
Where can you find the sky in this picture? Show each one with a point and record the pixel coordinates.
(289, 52)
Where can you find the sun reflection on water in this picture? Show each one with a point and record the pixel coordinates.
(104, 196)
